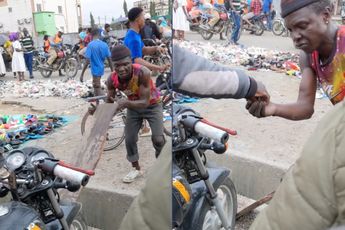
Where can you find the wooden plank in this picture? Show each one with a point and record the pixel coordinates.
(93, 141)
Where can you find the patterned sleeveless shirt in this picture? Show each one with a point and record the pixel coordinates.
(331, 75)
(132, 88)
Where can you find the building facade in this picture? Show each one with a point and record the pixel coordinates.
(18, 14)
(337, 7)
(161, 6)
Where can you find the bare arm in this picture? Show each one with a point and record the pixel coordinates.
(111, 93)
(86, 64)
(148, 64)
(110, 64)
(149, 50)
(303, 108)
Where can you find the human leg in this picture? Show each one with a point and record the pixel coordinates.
(154, 115)
(52, 56)
(96, 83)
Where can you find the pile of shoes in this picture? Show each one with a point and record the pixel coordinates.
(253, 58)
(17, 129)
(46, 88)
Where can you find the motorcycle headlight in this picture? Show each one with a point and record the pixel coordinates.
(36, 225)
(15, 160)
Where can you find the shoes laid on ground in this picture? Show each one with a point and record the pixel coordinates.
(131, 176)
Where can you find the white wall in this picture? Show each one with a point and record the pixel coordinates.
(21, 10)
(67, 21)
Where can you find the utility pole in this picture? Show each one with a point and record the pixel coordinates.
(99, 20)
(105, 20)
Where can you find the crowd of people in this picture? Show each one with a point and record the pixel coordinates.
(189, 11)
(19, 49)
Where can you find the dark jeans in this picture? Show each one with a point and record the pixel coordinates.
(154, 115)
(28, 61)
(269, 20)
(236, 30)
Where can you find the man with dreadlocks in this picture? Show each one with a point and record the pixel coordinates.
(322, 58)
(312, 194)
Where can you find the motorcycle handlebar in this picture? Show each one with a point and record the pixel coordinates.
(65, 171)
(204, 129)
(71, 175)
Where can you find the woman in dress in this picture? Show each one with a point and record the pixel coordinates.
(2, 64)
(180, 16)
(164, 28)
(18, 62)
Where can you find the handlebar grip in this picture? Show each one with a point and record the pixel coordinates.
(71, 175)
(211, 132)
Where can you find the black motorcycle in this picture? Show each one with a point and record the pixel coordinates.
(32, 176)
(258, 27)
(204, 197)
(224, 25)
(64, 62)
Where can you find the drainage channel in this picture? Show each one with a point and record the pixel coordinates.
(105, 209)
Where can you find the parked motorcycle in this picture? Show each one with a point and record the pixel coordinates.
(204, 197)
(258, 28)
(159, 59)
(64, 61)
(39, 58)
(32, 176)
(224, 24)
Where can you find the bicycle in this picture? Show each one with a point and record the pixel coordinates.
(116, 130)
(279, 28)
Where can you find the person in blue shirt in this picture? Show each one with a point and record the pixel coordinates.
(135, 44)
(266, 8)
(96, 53)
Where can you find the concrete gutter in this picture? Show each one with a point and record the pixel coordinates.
(252, 178)
(105, 209)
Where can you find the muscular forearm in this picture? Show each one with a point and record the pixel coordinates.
(139, 104)
(149, 50)
(294, 111)
(147, 64)
(87, 62)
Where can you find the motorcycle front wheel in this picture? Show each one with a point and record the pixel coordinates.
(205, 34)
(45, 72)
(209, 219)
(278, 28)
(259, 28)
(71, 67)
(79, 223)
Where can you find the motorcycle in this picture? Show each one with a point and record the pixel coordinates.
(64, 61)
(158, 58)
(204, 197)
(259, 27)
(224, 24)
(32, 177)
(39, 57)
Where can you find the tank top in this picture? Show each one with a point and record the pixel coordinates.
(132, 88)
(331, 75)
